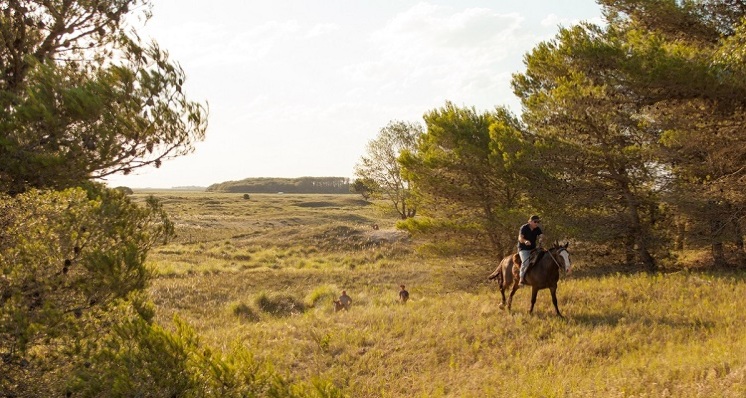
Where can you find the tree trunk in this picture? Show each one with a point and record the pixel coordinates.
(402, 210)
(639, 236)
(680, 233)
(629, 249)
(718, 254)
(740, 251)
(647, 259)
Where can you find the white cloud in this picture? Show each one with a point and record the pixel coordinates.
(443, 52)
(321, 30)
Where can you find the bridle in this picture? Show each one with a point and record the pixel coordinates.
(555, 260)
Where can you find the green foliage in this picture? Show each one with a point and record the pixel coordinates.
(143, 359)
(627, 129)
(603, 170)
(379, 172)
(365, 187)
(82, 98)
(65, 257)
(652, 106)
(447, 237)
(469, 172)
(690, 73)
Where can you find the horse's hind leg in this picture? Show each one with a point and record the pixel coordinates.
(501, 280)
(553, 290)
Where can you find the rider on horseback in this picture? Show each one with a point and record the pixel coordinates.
(530, 234)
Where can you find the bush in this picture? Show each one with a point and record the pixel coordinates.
(125, 190)
(65, 258)
(279, 304)
(243, 311)
(141, 359)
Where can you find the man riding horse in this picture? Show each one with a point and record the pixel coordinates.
(538, 268)
(528, 236)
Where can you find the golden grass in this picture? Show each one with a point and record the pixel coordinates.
(263, 273)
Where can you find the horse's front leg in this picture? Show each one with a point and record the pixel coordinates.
(512, 292)
(553, 290)
(501, 280)
(534, 292)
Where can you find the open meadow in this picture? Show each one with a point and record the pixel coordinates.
(263, 272)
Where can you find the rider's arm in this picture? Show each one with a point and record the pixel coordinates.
(523, 240)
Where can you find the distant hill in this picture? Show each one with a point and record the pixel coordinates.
(335, 185)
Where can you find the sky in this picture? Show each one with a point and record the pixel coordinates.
(298, 88)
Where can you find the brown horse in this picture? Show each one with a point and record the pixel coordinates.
(543, 274)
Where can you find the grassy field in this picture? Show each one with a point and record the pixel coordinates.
(263, 273)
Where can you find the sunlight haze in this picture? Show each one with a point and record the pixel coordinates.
(298, 88)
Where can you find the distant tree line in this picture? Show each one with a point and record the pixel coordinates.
(330, 185)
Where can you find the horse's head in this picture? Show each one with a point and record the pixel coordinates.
(562, 256)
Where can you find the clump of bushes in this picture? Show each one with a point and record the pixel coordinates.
(279, 304)
(143, 359)
(125, 190)
(243, 311)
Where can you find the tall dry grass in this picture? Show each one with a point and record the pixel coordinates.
(263, 273)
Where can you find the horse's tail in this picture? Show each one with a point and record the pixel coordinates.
(497, 274)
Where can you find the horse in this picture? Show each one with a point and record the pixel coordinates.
(542, 274)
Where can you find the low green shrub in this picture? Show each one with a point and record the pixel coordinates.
(278, 304)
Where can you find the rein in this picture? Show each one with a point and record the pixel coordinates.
(555, 260)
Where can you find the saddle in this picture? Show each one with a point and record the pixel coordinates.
(533, 258)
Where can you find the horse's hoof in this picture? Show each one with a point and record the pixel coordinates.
(502, 306)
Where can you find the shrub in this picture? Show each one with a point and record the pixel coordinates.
(278, 304)
(141, 359)
(125, 190)
(243, 311)
(65, 257)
